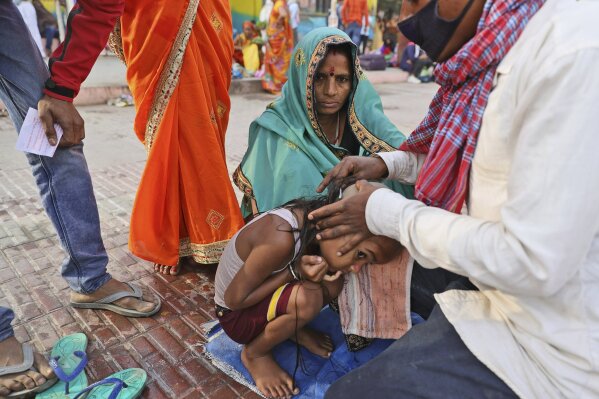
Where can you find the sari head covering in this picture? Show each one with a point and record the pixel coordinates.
(288, 153)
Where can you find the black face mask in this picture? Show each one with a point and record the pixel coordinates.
(429, 31)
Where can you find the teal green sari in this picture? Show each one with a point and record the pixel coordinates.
(288, 153)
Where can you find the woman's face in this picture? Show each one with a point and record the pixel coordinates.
(248, 31)
(332, 82)
(375, 250)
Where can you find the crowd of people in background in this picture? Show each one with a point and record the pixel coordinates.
(263, 48)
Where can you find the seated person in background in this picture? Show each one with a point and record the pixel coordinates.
(387, 49)
(274, 277)
(327, 110)
(417, 63)
(247, 48)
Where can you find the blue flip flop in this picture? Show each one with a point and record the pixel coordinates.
(126, 384)
(68, 360)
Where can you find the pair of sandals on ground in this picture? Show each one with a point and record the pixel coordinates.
(34, 376)
(67, 380)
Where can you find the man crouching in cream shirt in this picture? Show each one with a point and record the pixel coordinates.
(529, 242)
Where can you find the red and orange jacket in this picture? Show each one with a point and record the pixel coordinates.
(88, 26)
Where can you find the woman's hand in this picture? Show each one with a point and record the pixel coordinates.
(367, 168)
(345, 217)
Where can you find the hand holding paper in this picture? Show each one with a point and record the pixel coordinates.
(32, 138)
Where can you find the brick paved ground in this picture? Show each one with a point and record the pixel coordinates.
(167, 346)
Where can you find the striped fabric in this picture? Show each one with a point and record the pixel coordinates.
(449, 132)
(375, 303)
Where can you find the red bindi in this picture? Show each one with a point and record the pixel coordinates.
(332, 71)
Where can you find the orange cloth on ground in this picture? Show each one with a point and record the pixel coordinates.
(179, 71)
(279, 48)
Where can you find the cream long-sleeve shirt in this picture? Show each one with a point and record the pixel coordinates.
(530, 241)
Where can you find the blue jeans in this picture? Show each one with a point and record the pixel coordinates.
(63, 181)
(431, 361)
(353, 30)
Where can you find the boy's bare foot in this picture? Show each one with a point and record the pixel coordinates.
(11, 354)
(270, 379)
(316, 342)
(146, 304)
(167, 270)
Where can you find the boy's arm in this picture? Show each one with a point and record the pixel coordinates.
(255, 280)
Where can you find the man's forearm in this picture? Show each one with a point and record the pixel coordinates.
(88, 26)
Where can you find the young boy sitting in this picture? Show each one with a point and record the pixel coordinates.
(274, 277)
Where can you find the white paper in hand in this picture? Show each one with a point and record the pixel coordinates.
(32, 137)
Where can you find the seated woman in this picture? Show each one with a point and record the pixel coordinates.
(247, 48)
(328, 110)
(387, 50)
(274, 277)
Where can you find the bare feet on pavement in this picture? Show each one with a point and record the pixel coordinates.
(270, 379)
(112, 286)
(187, 262)
(167, 270)
(11, 354)
(316, 342)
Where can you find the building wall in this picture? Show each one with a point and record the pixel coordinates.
(244, 10)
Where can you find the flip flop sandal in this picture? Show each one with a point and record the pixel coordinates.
(20, 368)
(126, 384)
(68, 359)
(106, 303)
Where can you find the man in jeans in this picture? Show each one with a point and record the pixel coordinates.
(353, 13)
(64, 181)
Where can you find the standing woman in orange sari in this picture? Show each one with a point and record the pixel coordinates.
(278, 48)
(178, 56)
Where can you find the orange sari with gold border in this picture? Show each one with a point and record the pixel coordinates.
(178, 56)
